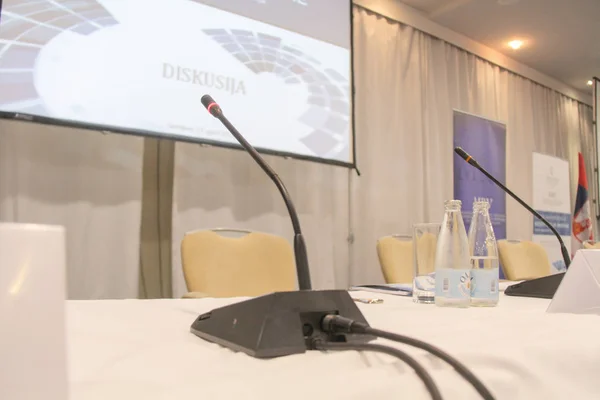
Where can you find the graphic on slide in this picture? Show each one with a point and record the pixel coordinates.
(141, 66)
(26, 26)
(328, 111)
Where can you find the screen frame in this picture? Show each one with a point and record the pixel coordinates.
(109, 129)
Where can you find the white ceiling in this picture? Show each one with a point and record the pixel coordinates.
(562, 36)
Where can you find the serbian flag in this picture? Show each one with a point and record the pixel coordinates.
(582, 221)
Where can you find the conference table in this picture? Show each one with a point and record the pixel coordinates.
(143, 349)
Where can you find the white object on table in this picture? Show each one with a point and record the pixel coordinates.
(32, 313)
(579, 290)
(133, 349)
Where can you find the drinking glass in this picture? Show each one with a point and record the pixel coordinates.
(425, 238)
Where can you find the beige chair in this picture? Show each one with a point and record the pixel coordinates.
(396, 258)
(523, 260)
(248, 264)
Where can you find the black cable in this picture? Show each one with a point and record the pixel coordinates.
(391, 351)
(457, 365)
(336, 323)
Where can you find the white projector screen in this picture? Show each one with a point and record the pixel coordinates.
(280, 69)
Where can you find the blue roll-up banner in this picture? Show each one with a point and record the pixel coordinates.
(485, 140)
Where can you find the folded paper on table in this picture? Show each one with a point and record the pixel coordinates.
(397, 289)
(406, 289)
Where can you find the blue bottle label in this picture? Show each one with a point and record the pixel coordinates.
(453, 283)
(484, 283)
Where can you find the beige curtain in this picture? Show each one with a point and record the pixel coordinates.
(407, 84)
(88, 182)
(124, 229)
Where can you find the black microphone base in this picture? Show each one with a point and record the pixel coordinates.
(278, 324)
(541, 288)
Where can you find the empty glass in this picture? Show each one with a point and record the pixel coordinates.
(424, 244)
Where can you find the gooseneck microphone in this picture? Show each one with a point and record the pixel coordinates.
(464, 155)
(284, 323)
(542, 287)
(302, 269)
(281, 323)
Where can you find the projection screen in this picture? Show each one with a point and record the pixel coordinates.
(281, 69)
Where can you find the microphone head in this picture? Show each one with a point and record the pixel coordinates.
(207, 100)
(211, 105)
(463, 154)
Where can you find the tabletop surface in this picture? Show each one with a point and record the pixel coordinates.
(143, 349)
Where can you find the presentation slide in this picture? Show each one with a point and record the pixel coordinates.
(280, 69)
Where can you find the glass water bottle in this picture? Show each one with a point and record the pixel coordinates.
(452, 260)
(484, 257)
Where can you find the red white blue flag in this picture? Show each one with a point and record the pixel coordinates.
(582, 220)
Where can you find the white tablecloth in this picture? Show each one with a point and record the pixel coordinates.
(134, 349)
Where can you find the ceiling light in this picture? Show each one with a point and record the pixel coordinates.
(515, 44)
(590, 83)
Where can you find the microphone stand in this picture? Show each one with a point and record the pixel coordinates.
(283, 323)
(544, 287)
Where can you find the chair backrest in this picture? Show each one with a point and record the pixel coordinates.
(396, 258)
(252, 264)
(523, 260)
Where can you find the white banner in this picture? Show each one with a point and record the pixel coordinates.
(552, 199)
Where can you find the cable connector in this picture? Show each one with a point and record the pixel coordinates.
(337, 324)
